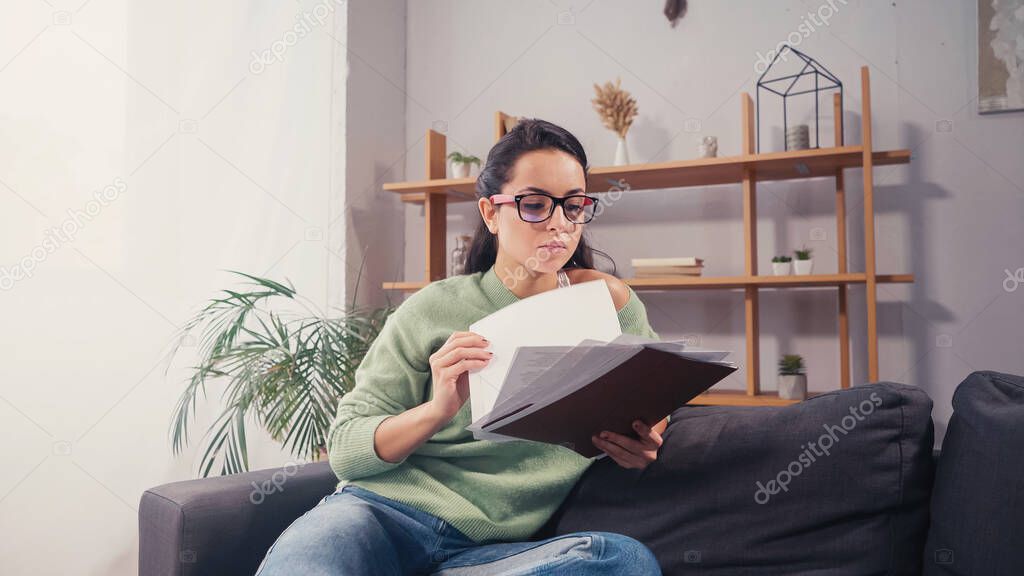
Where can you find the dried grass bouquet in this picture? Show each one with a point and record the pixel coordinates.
(615, 106)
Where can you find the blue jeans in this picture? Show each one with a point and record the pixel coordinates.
(355, 531)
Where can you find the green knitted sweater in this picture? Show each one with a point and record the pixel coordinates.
(490, 491)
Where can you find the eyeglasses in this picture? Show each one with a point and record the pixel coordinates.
(534, 207)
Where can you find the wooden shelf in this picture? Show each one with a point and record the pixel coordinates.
(741, 398)
(730, 282)
(727, 282)
(790, 165)
(746, 170)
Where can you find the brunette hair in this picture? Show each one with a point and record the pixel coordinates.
(529, 134)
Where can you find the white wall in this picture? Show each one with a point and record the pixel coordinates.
(952, 217)
(216, 163)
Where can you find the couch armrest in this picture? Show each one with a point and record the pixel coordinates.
(225, 524)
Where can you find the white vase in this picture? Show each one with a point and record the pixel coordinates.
(780, 268)
(793, 386)
(621, 152)
(460, 169)
(803, 267)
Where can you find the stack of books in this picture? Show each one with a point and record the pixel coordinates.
(666, 267)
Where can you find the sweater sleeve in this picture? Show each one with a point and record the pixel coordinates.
(389, 380)
(633, 317)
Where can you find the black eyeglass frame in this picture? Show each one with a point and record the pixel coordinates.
(556, 201)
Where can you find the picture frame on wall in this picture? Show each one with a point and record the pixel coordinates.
(1000, 56)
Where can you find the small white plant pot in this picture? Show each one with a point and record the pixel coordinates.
(803, 267)
(793, 386)
(780, 268)
(460, 169)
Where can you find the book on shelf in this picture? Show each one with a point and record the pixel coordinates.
(673, 261)
(641, 271)
(561, 382)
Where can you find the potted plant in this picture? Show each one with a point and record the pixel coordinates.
(792, 379)
(287, 375)
(460, 164)
(803, 262)
(780, 265)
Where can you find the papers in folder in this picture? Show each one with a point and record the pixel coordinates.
(562, 365)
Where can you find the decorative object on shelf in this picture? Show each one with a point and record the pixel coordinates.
(460, 164)
(803, 263)
(667, 267)
(282, 373)
(666, 271)
(617, 108)
(812, 78)
(669, 261)
(459, 254)
(708, 147)
(792, 379)
(798, 137)
(621, 152)
(1000, 63)
(780, 265)
(674, 10)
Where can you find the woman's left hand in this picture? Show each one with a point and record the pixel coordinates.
(631, 452)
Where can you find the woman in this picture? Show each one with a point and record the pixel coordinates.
(417, 493)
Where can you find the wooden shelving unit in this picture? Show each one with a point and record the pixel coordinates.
(746, 170)
(821, 162)
(726, 282)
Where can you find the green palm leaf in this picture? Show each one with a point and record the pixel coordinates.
(285, 374)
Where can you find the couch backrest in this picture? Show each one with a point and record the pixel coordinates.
(838, 482)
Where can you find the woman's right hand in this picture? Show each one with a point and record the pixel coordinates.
(449, 366)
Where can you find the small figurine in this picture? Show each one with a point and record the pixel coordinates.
(708, 147)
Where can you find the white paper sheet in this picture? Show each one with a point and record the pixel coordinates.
(597, 361)
(588, 365)
(559, 317)
(561, 368)
(528, 363)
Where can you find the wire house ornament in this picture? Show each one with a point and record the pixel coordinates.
(799, 83)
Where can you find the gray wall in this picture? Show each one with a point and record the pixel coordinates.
(952, 217)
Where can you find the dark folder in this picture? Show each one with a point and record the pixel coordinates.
(648, 386)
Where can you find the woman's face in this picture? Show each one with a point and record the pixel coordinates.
(522, 243)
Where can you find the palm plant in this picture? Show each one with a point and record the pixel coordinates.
(288, 374)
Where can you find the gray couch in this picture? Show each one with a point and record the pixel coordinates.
(843, 483)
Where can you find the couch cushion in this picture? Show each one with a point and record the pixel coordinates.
(839, 482)
(978, 498)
